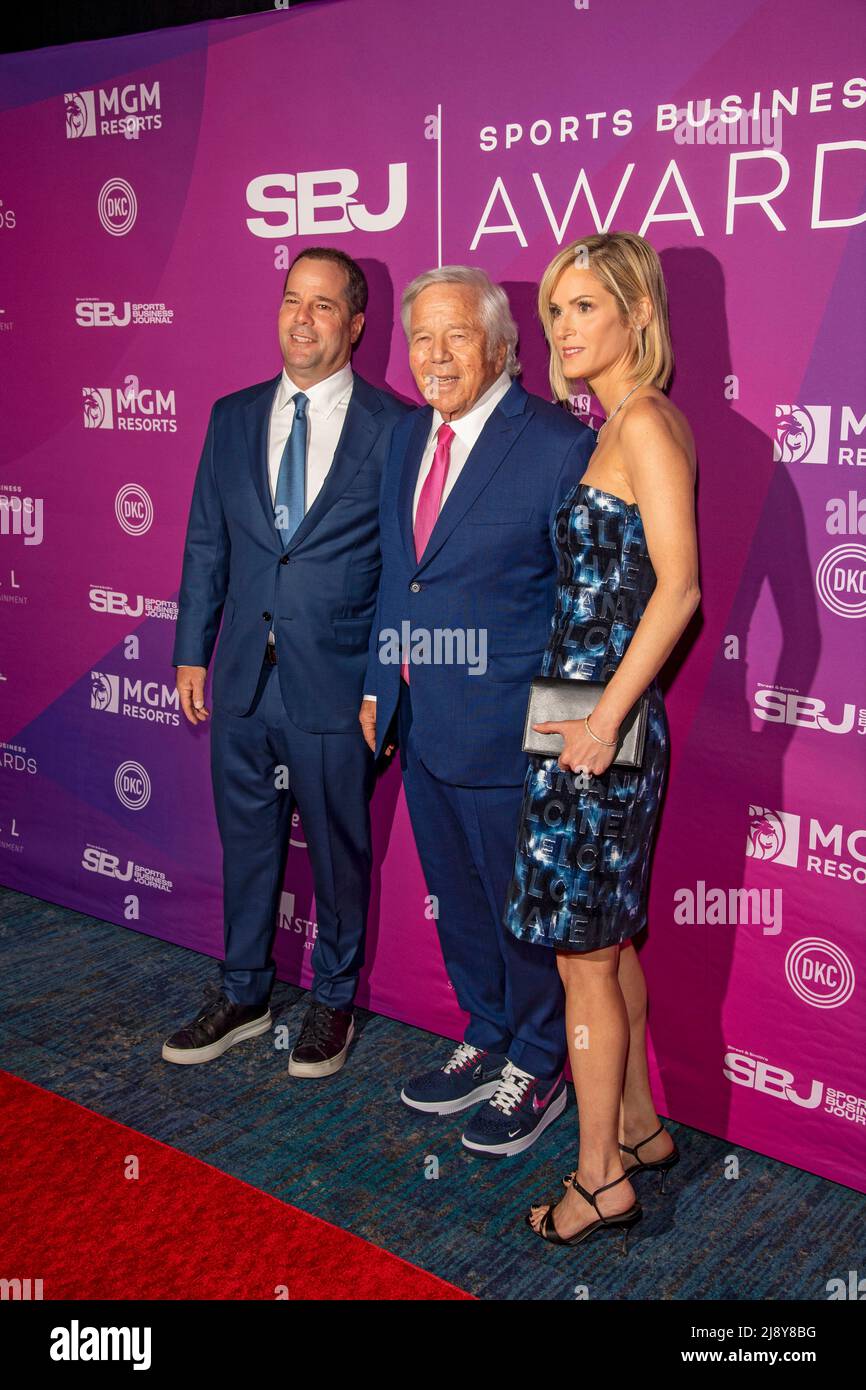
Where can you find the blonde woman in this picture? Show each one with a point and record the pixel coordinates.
(628, 585)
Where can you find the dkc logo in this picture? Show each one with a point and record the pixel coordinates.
(841, 580)
(819, 972)
(297, 202)
(134, 509)
(118, 207)
(132, 785)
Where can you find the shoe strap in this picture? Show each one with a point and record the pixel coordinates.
(642, 1142)
(591, 1196)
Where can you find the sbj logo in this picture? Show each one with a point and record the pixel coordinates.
(802, 434)
(773, 835)
(98, 860)
(294, 200)
(103, 313)
(121, 111)
(805, 711)
(117, 602)
(759, 1075)
(118, 207)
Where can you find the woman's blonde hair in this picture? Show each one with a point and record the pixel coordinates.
(629, 269)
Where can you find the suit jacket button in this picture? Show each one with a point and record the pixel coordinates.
(415, 586)
(267, 615)
(284, 559)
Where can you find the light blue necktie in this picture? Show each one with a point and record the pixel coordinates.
(291, 489)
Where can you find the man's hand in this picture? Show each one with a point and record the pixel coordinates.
(367, 716)
(190, 687)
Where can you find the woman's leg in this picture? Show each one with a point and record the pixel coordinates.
(597, 1029)
(637, 1116)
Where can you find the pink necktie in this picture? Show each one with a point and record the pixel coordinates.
(431, 499)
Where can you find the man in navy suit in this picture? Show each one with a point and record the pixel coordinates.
(470, 492)
(283, 544)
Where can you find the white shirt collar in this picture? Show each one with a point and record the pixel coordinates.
(324, 396)
(470, 425)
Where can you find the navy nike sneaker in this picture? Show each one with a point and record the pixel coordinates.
(471, 1074)
(520, 1109)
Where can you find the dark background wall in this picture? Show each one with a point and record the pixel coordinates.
(39, 26)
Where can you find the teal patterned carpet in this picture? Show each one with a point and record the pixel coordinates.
(86, 1005)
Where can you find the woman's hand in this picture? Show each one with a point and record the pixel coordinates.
(581, 749)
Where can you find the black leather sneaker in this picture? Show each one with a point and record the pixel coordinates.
(218, 1026)
(323, 1043)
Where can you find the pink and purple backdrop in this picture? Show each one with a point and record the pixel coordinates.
(152, 189)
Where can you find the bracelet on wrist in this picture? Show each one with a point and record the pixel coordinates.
(608, 742)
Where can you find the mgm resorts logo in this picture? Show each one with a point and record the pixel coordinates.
(775, 838)
(804, 434)
(129, 407)
(113, 111)
(137, 699)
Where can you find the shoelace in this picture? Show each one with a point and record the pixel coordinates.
(215, 997)
(511, 1089)
(316, 1026)
(463, 1053)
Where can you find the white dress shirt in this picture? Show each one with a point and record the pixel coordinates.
(326, 415)
(466, 431)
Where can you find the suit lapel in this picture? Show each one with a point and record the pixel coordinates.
(502, 428)
(357, 437)
(256, 420)
(409, 477)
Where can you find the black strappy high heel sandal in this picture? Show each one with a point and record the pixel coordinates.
(661, 1165)
(622, 1221)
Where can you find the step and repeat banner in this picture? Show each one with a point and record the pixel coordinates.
(152, 192)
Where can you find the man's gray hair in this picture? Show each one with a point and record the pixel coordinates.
(493, 306)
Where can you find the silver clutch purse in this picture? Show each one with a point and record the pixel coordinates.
(555, 698)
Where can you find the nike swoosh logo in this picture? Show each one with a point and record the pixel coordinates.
(540, 1104)
(512, 1133)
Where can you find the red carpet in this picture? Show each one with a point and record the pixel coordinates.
(70, 1216)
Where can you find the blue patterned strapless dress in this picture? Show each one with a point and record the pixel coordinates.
(581, 869)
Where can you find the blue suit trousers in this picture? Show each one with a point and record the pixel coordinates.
(466, 838)
(330, 780)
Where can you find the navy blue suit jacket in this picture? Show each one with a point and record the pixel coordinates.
(490, 564)
(318, 593)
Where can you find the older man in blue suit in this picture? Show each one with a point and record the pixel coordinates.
(469, 497)
(283, 545)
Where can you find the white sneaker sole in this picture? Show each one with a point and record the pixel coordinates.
(453, 1107)
(189, 1056)
(554, 1110)
(326, 1068)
